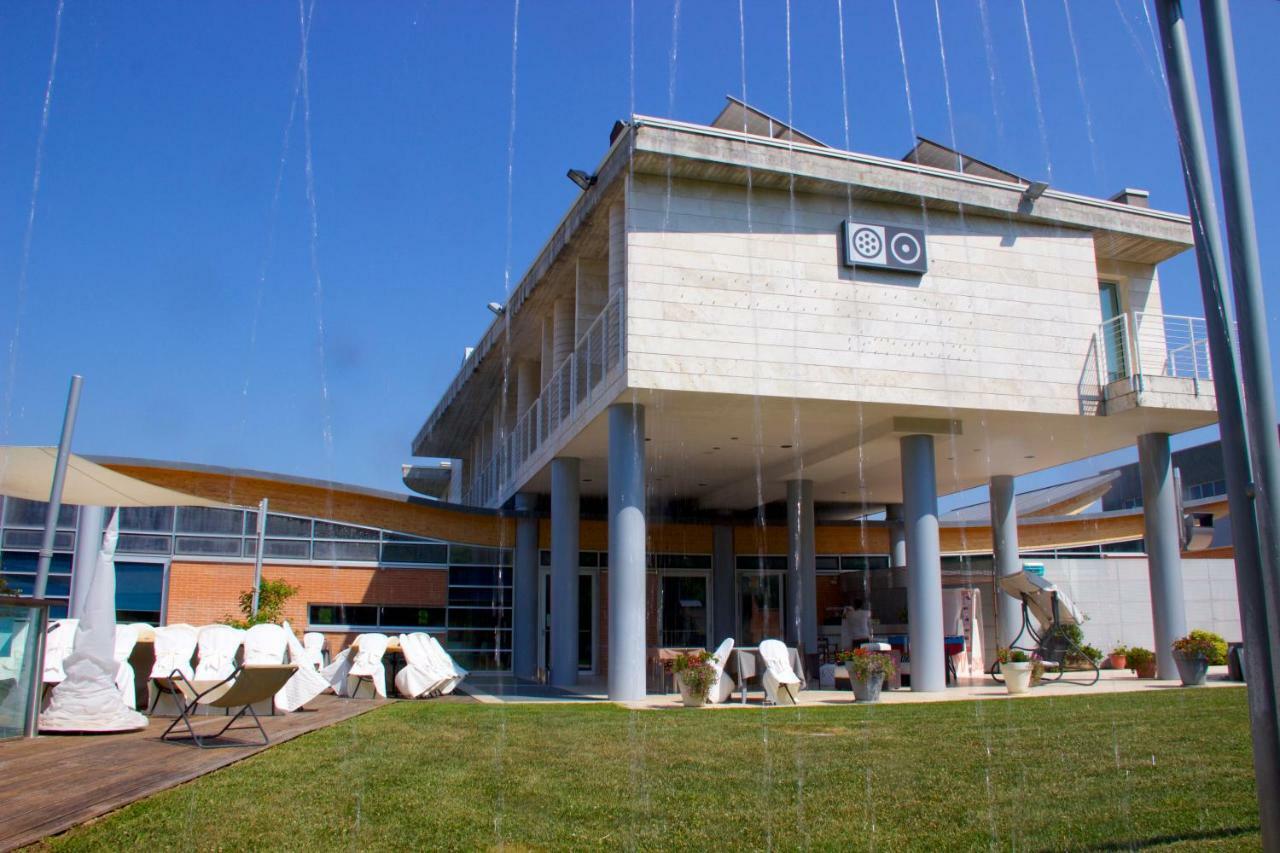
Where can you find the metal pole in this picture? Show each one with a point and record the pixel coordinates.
(1246, 290)
(257, 555)
(55, 491)
(1264, 725)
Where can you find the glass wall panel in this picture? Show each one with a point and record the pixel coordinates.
(147, 519)
(208, 546)
(760, 603)
(684, 610)
(202, 519)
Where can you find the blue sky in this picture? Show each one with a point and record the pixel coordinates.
(161, 269)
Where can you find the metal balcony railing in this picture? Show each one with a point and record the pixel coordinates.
(1142, 343)
(573, 386)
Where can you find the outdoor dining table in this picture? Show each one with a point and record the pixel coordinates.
(745, 664)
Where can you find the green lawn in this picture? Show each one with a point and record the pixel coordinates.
(1122, 771)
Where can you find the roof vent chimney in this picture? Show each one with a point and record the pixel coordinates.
(1133, 197)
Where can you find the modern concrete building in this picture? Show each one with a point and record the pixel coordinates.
(734, 317)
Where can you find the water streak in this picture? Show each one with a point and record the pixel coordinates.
(1084, 98)
(992, 81)
(1035, 84)
(29, 232)
(317, 290)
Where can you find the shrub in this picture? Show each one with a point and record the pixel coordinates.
(864, 663)
(1199, 644)
(1138, 657)
(272, 596)
(1091, 653)
(697, 670)
(1005, 655)
(1120, 650)
(1217, 655)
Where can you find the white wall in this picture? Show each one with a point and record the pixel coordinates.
(1004, 319)
(1116, 596)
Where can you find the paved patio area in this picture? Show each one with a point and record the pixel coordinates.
(55, 782)
(494, 689)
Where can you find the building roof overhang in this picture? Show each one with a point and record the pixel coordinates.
(649, 145)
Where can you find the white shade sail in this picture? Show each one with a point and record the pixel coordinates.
(27, 472)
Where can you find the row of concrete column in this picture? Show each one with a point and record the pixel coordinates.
(915, 551)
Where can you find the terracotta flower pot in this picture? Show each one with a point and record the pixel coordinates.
(1118, 661)
(1146, 671)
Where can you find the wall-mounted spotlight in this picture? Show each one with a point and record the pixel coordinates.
(581, 178)
(497, 308)
(1034, 190)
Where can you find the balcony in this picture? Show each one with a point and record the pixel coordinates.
(1144, 352)
(574, 387)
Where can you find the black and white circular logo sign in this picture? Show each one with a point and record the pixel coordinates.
(905, 248)
(867, 243)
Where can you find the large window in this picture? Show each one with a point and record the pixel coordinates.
(685, 607)
(760, 603)
(139, 591)
(377, 617)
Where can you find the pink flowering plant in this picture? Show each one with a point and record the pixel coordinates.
(696, 669)
(864, 663)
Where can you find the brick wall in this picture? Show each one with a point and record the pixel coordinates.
(203, 593)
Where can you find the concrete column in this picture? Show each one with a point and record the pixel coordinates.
(723, 573)
(591, 292)
(1004, 537)
(1164, 547)
(564, 319)
(89, 527)
(897, 544)
(626, 552)
(527, 388)
(617, 248)
(924, 558)
(524, 590)
(548, 355)
(802, 578)
(565, 508)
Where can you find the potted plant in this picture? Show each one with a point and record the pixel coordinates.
(1192, 654)
(1018, 668)
(1117, 659)
(695, 672)
(1141, 661)
(867, 671)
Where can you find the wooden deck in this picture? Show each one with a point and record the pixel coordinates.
(55, 782)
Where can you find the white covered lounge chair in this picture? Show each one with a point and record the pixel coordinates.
(722, 686)
(216, 647)
(126, 639)
(366, 665)
(423, 674)
(313, 644)
(59, 640)
(174, 646)
(781, 684)
(305, 684)
(446, 661)
(265, 644)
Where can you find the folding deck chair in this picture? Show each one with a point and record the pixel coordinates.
(249, 684)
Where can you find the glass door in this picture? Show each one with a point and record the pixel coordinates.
(1113, 331)
(685, 608)
(587, 623)
(760, 606)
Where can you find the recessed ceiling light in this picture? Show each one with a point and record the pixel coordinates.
(1032, 456)
(786, 446)
(586, 480)
(702, 484)
(733, 438)
(977, 450)
(648, 439)
(715, 448)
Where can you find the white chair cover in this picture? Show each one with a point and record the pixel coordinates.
(445, 661)
(722, 686)
(367, 663)
(313, 644)
(780, 681)
(336, 672)
(175, 644)
(217, 646)
(265, 643)
(306, 684)
(422, 675)
(59, 641)
(126, 639)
